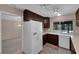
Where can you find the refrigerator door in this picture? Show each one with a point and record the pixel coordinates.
(26, 38)
(37, 37)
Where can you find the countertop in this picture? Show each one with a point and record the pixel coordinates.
(74, 38)
(64, 34)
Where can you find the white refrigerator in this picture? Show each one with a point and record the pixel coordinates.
(32, 42)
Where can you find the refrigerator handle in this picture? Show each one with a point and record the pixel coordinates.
(35, 33)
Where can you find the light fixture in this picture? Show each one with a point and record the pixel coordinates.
(57, 12)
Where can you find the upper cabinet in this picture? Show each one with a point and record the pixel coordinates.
(28, 15)
(46, 22)
(77, 17)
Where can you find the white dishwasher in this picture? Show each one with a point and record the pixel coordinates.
(64, 41)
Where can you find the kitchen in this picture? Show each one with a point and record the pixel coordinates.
(53, 37)
(58, 30)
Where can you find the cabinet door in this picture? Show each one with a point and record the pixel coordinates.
(64, 41)
(46, 22)
(52, 39)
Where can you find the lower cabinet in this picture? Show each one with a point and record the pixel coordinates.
(44, 39)
(58, 40)
(50, 38)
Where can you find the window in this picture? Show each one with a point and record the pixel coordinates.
(56, 26)
(66, 26)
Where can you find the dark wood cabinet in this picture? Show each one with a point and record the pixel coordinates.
(25, 16)
(50, 38)
(28, 15)
(46, 22)
(44, 39)
(77, 17)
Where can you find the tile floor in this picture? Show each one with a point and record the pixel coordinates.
(13, 46)
(52, 49)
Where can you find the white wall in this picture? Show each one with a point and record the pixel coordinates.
(0, 33)
(10, 29)
(6, 8)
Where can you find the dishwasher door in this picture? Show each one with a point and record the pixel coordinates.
(64, 41)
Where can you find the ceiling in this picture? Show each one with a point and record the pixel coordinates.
(49, 10)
